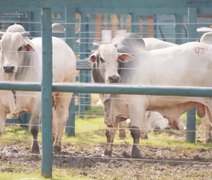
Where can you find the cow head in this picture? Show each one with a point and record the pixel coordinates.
(14, 49)
(105, 60)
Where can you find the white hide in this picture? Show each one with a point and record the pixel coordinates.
(25, 56)
(154, 43)
(185, 65)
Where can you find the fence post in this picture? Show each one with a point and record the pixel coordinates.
(192, 34)
(46, 93)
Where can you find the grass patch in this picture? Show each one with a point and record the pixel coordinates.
(20, 176)
(58, 175)
(88, 130)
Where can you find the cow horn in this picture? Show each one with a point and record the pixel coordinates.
(26, 33)
(96, 45)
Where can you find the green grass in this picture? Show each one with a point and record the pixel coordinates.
(20, 176)
(59, 174)
(88, 130)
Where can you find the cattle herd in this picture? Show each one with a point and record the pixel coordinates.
(128, 59)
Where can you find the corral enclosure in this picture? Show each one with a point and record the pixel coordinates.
(83, 24)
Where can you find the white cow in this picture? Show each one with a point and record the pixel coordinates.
(148, 43)
(22, 61)
(7, 97)
(184, 65)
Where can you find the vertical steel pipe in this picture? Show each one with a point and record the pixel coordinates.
(46, 93)
(192, 35)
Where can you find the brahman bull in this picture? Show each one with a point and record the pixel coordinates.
(184, 65)
(147, 43)
(21, 61)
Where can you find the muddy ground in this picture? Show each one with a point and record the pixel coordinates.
(86, 161)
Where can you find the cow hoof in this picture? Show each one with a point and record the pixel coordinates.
(57, 149)
(35, 149)
(108, 153)
(135, 152)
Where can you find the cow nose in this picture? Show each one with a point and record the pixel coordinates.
(9, 69)
(114, 79)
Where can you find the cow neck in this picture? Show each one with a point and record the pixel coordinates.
(24, 69)
(125, 71)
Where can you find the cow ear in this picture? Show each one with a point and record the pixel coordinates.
(92, 58)
(124, 57)
(96, 45)
(25, 34)
(28, 48)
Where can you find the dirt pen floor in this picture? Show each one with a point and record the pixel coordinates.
(84, 160)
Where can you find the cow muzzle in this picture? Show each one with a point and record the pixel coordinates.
(114, 79)
(9, 69)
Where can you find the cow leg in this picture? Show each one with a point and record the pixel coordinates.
(34, 128)
(136, 134)
(122, 129)
(61, 115)
(110, 134)
(208, 125)
(122, 133)
(2, 119)
(137, 109)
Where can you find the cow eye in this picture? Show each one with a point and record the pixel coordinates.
(102, 60)
(20, 48)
